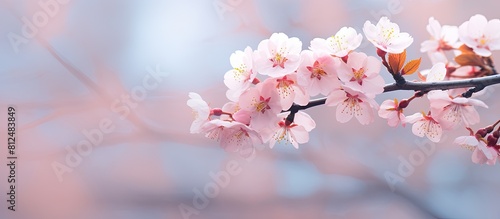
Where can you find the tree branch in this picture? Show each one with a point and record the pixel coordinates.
(477, 84)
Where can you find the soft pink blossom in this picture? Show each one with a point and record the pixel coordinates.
(339, 45)
(481, 35)
(263, 102)
(351, 103)
(389, 109)
(289, 91)
(278, 55)
(452, 111)
(362, 73)
(213, 129)
(425, 125)
(295, 133)
(442, 37)
(482, 154)
(239, 138)
(201, 112)
(386, 36)
(241, 76)
(317, 73)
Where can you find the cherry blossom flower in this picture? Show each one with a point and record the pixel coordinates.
(351, 103)
(237, 137)
(386, 36)
(453, 111)
(241, 76)
(344, 41)
(362, 74)
(263, 103)
(425, 125)
(289, 91)
(389, 109)
(443, 37)
(317, 73)
(295, 133)
(213, 129)
(481, 35)
(482, 154)
(278, 55)
(201, 112)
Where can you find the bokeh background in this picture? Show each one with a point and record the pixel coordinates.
(90, 54)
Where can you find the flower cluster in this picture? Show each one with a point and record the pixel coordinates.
(483, 144)
(268, 87)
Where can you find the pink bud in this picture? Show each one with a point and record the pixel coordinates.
(216, 112)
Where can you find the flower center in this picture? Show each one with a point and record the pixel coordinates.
(316, 71)
(388, 33)
(338, 42)
(262, 105)
(482, 41)
(240, 73)
(279, 60)
(241, 134)
(358, 75)
(284, 86)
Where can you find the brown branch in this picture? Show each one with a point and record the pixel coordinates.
(477, 84)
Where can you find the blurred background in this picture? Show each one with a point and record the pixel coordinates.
(73, 67)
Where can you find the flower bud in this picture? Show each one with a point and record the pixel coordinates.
(496, 134)
(484, 131)
(492, 140)
(216, 112)
(403, 104)
(381, 53)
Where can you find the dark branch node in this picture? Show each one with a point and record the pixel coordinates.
(400, 80)
(473, 90)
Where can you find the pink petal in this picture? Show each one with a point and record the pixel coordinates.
(303, 119)
(356, 60)
(300, 134)
(477, 25)
(469, 141)
(418, 128)
(372, 66)
(345, 111)
(301, 96)
(335, 97)
(414, 118)
(364, 113)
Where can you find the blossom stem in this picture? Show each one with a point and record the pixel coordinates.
(495, 124)
(477, 84)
